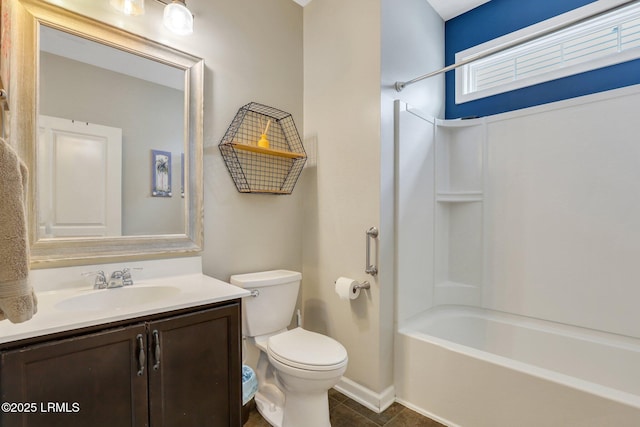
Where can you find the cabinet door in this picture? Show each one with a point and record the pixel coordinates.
(90, 380)
(195, 369)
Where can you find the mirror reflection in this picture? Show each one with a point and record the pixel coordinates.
(90, 202)
(111, 141)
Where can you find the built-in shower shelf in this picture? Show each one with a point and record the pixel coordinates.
(459, 197)
(459, 123)
(454, 285)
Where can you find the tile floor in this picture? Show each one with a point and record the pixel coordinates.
(345, 412)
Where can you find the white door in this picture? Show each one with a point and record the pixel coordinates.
(79, 178)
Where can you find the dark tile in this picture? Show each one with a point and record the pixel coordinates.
(335, 398)
(345, 412)
(380, 419)
(409, 418)
(256, 420)
(335, 394)
(341, 416)
(333, 403)
(388, 414)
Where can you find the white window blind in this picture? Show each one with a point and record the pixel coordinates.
(602, 41)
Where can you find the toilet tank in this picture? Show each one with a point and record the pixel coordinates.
(272, 308)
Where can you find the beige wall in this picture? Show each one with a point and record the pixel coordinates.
(353, 53)
(252, 52)
(342, 116)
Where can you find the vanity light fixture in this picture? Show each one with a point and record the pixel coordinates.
(128, 7)
(177, 18)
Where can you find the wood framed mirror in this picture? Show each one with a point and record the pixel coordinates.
(74, 83)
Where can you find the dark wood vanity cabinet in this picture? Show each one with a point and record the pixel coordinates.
(93, 376)
(180, 371)
(195, 380)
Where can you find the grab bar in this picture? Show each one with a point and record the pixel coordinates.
(370, 268)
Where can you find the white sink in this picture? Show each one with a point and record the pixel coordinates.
(117, 298)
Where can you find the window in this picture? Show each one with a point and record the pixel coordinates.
(604, 40)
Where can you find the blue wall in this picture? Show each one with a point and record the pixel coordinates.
(499, 17)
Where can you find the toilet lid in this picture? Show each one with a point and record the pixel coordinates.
(307, 350)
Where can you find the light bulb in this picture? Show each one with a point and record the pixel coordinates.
(128, 7)
(178, 18)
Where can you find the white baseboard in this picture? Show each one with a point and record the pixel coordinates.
(377, 402)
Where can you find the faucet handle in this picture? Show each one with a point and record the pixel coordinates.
(101, 280)
(127, 279)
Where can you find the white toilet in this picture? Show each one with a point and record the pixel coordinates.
(296, 367)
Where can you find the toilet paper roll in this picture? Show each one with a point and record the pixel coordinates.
(347, 288)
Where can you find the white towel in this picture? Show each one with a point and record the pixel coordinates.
(18, 302)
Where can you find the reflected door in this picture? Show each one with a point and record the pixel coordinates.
(79, 185)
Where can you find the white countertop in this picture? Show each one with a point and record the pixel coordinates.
(193, 290)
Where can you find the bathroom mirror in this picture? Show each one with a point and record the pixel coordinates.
(111, 127)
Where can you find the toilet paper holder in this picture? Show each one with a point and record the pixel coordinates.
(360, 286)
(349, 289)
(363, 285)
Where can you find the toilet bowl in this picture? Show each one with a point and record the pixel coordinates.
(296, 367)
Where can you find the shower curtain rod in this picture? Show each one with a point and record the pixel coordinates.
(401, 85)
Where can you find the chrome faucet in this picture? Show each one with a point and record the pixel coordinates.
(118, 278)
(127, 280)
(101, 279)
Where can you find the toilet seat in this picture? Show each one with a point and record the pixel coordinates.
(302, 349)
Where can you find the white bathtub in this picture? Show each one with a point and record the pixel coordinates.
(472, 367)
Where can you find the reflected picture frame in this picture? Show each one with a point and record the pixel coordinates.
(160, 173)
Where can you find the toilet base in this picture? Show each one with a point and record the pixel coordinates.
(307, 410)
(271, 413)
(291, 396)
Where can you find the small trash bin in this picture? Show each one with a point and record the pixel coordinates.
(249, 389)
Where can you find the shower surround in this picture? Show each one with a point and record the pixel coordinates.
(519, 232)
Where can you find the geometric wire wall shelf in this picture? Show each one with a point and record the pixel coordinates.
(263, 150)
